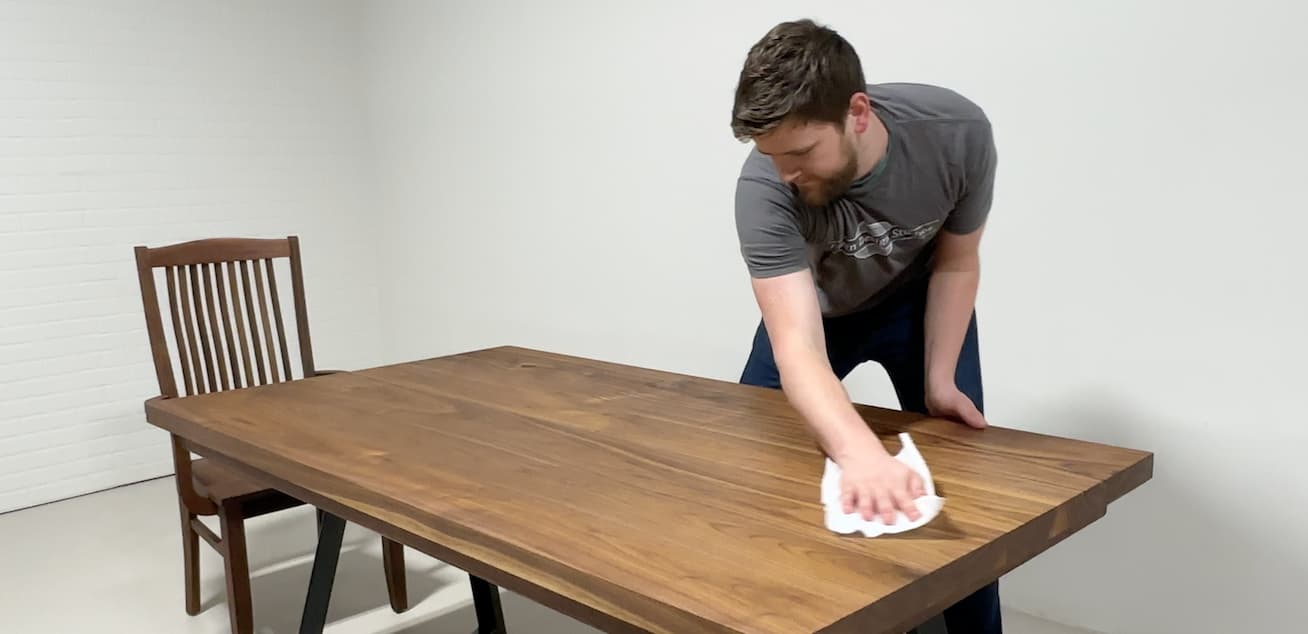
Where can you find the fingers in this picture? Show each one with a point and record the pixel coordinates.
(916, 488)
(884, 495)
(865, 502)
(905, 503)
(885, 507)
(972, 416)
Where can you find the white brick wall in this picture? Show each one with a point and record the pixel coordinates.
(150, 122)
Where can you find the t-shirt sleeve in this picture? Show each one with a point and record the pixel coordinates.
(770, 238)
(979, 185)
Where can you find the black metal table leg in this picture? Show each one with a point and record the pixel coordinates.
(331, 530)
(486, 600)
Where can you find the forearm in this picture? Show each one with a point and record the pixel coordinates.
(821, 399)
(951, 297)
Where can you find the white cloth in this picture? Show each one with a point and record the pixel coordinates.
(929, 505)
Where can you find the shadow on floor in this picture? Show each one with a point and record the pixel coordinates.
(281, 552)
(359, 587)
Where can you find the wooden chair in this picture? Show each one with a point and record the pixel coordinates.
(226, 338)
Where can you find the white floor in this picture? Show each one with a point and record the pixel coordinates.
(111, 562)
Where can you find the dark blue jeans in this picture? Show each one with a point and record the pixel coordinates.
(893, 335)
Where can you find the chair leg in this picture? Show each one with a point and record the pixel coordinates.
(237, 561)
(190, 561)
(396, 582)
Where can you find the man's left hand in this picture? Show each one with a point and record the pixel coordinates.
(948, 401)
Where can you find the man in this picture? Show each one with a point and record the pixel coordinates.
(859, 215)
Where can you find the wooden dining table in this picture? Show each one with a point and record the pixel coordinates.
(641, 500)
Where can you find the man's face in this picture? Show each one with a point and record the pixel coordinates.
(817, 160)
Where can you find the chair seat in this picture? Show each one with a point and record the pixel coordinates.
(220, 483)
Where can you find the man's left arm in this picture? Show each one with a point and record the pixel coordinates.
(951, 295)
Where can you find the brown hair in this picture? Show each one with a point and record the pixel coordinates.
(798, 70)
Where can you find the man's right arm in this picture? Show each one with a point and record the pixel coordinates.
(872, 481)
(794, 325)
(776, 254)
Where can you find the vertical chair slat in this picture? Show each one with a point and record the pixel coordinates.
(240, 324)
(187, 383)
(219, 337)
(188, 326)
(254, 328)
(229, 337)
(277, 316)
(203, 332)
(267, 327)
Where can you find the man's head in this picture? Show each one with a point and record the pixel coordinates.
(801, 98)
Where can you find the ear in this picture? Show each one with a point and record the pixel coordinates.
(860, 111)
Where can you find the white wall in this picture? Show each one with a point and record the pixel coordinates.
(560, 175)
(152, 122)
(1159, 142)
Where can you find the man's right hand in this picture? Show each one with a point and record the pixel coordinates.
(875, 483)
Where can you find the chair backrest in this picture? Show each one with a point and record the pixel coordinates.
(219, 294)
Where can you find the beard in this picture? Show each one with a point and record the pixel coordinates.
(822, 191)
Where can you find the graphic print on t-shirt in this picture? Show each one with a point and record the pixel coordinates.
(878, 237)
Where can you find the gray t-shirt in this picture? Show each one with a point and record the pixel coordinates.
(938, 173)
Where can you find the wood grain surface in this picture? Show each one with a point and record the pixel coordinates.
(648, 501)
